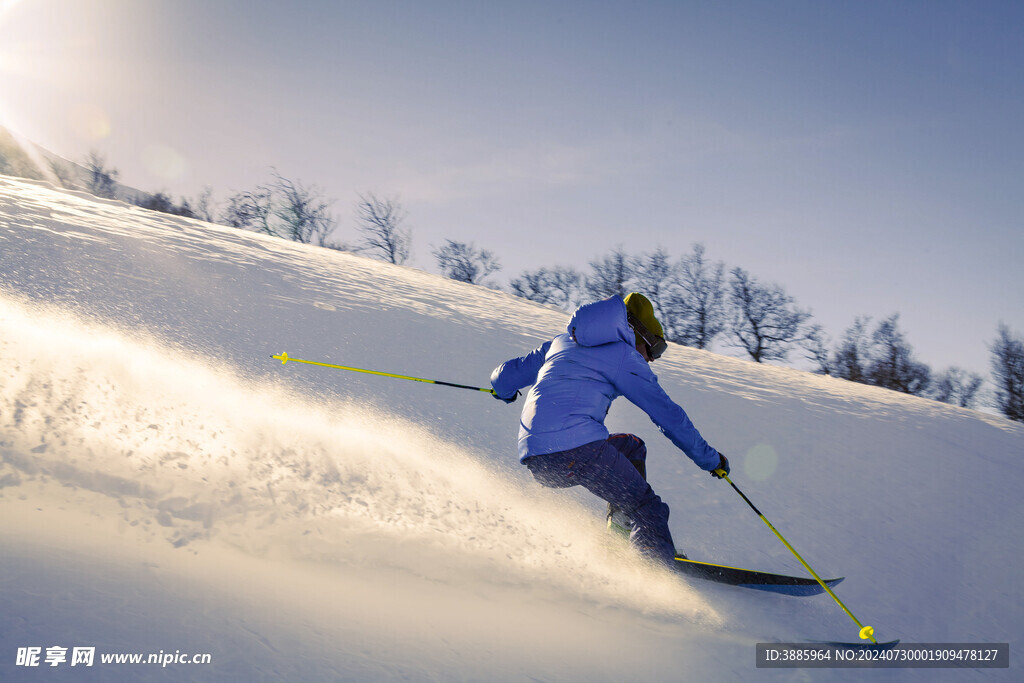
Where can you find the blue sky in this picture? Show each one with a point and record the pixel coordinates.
(865, 155)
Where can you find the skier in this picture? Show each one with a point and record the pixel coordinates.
(604, 354)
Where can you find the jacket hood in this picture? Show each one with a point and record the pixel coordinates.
(601, 322)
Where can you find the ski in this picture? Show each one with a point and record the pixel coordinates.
(888, 645)
(749, 578)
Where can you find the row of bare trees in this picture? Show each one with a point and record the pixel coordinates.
(281, 207)
(290, 210)
(699, 302)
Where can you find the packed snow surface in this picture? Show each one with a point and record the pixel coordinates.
(168, 487)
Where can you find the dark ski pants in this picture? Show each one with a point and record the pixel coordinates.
(611, 470)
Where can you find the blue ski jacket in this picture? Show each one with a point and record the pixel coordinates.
(576, 376)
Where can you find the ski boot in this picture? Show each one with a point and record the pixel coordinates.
(618, 523)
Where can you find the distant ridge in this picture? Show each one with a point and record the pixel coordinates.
(25, 159)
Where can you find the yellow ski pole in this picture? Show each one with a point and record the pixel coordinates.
(284, 358)
(866, 632)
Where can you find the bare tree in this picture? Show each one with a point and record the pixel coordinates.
(957, 387)
(611, 275)
(766, 324)
(251, 210)
(157, 202)
(567, 284)
(282, 208)
(1008, 373)
(101, 180)
(815, 344)
(462, 261)
(558, 286)
(892, 364)
(696, 302)
(853, 354)
(204, 207)
(380, 222)
(652, 276)
(163, 203)
(303, 214)
(532, 286)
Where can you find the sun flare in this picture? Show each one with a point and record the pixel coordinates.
(7, 5)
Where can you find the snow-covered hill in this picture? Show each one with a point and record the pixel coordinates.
(167, 487)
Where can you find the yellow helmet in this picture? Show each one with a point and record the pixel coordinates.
(640, 314)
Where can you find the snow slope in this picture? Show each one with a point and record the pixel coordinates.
(165, 486)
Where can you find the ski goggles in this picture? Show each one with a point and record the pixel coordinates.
(656, 346)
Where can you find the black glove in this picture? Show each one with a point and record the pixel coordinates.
(722, 469)
(507, 400)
